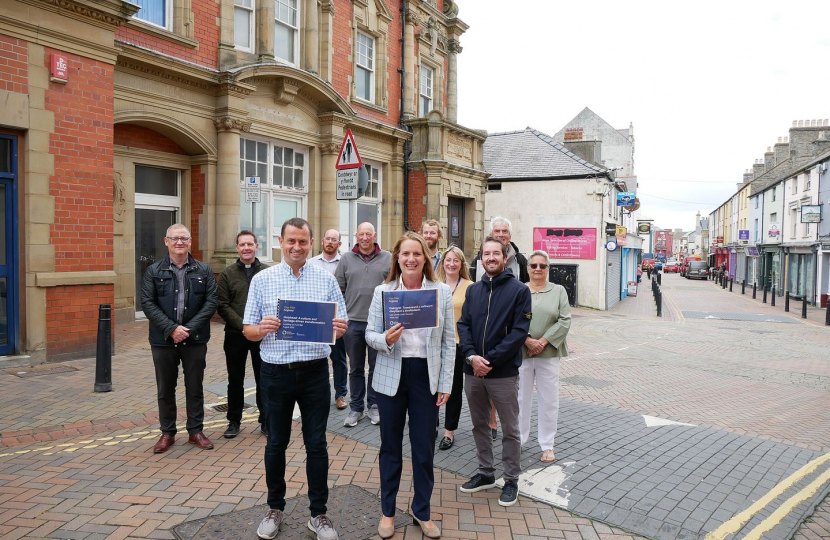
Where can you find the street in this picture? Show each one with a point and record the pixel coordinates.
(710, 422)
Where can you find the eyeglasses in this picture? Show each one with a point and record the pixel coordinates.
(538, 265)
(179, 239)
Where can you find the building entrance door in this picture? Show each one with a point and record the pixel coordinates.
(150, 227)
(9, 306)
(455, 222)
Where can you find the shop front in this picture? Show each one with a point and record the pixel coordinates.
(801, 273)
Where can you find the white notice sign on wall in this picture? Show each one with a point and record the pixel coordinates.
(347, 184)
(252, 191)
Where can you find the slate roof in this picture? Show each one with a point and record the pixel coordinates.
(531, 154)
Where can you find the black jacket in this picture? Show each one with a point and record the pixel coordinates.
(494, 323)
(233, 294)
(523, 276)
(158, 300)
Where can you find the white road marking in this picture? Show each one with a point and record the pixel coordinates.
(653, 421)
(545, 484)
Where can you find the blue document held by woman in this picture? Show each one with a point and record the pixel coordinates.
(413, 309)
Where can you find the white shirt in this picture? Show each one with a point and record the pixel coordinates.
(413, 342)
(320, 261)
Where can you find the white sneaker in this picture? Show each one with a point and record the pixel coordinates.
(323, 526)
(269, 527)
(353, 418)
(374, 415)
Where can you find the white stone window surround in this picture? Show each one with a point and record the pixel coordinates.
(365, 66)
(426, 86)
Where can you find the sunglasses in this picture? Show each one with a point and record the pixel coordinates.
(538, 265)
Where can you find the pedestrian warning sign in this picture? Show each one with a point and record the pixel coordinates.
(348, 157)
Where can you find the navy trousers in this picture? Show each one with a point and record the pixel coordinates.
(414, 397)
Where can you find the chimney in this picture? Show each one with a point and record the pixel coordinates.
(758, 168)
(822, 143)
(802, 137)
(769, 159)
(590, 151)
(748, 176)
(782, 150)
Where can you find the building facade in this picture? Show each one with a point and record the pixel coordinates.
(124, 120)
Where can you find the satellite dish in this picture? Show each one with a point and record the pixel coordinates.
(634, 206)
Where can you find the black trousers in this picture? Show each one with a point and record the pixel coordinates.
(452, 414)
(166, 361)
(236, 348)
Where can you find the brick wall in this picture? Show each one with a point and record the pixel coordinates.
(145, 138)
(197, 208)
(206, 32)
(417, 192)
(72, 318)
(343, 68)
(14, 65)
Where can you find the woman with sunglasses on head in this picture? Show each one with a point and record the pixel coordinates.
(452, 270)
(544, 346)
(413, 376)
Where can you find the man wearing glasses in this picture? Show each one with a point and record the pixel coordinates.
(179, 297)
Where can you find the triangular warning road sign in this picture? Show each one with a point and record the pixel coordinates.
(348, 157)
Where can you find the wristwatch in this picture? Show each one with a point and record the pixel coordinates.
(469, 359)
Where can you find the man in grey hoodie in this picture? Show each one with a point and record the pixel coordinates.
(358, 273)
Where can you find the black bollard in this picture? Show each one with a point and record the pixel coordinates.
(827, 315)
(787, 302)
(659, 303)
(743, 287)
(772, 301)
(754, 289)
(725, 279)
(731, 281)
(659, 279)
(103, 352)
(804, 307)
(765, 294)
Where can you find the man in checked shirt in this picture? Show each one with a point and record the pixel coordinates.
(294, 372)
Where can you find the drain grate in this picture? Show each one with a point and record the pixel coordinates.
(738, 317)
(354, 511)
(45, 371)
(223, 407)
(590, 382)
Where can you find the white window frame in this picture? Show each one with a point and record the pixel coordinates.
(271, 192)
(168, 17)
(794, 217)
(430, 88)
(362, 65)
(795, 186)
(348, 209)
(807, 182)
(279, 22)
(237, 5)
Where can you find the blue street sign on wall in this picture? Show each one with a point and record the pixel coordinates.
(743, 234)
(625, 198)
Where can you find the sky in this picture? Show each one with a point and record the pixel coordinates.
(708, 85)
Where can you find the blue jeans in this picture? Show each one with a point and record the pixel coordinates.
(413, 397)
(340, 367)
(308, 387)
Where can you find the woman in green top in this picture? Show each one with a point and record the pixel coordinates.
(544, 346)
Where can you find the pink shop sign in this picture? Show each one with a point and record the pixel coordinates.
(566, 242)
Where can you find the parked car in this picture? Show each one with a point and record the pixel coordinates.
(697, 270)
(671, 266)
(684, 265)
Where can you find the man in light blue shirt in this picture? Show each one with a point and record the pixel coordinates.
(327, 260)
(294, 373)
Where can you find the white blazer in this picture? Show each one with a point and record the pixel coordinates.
(440, 344)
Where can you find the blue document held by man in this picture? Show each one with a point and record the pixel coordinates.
(413, 309)
(309, 322)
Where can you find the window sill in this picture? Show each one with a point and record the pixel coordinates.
(369, 105)
(162, 33)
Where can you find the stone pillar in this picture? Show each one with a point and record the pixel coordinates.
(452, 81)
(311, 40)
(265, 31)
(409, 67)
(326, 44)
(227, 183)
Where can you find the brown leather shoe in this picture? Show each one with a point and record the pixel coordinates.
(201, 441)
(340, 403)
(165, 442)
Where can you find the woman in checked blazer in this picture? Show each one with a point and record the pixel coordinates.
(413, 374)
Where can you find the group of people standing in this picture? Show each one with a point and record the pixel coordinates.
(501, 331)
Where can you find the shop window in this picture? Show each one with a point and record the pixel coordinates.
(286, 30)
(365, 67)
(425, 90)
(243, 25)
(282, 169)
(155, 12)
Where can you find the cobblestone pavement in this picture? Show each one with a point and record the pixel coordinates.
(669, 428)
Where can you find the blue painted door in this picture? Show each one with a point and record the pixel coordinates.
(9, 306)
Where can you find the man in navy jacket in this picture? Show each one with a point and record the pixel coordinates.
(494, 324)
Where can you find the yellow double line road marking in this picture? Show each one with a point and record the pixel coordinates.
(737, 521)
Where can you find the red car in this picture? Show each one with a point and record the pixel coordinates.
(670, 267)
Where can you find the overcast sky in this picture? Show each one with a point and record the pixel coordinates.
(708, 85)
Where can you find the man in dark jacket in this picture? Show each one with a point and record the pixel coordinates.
(233, 294)
(178, 297)
(494, 324)
(502, 230)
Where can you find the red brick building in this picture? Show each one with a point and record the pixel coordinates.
(118, 122)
